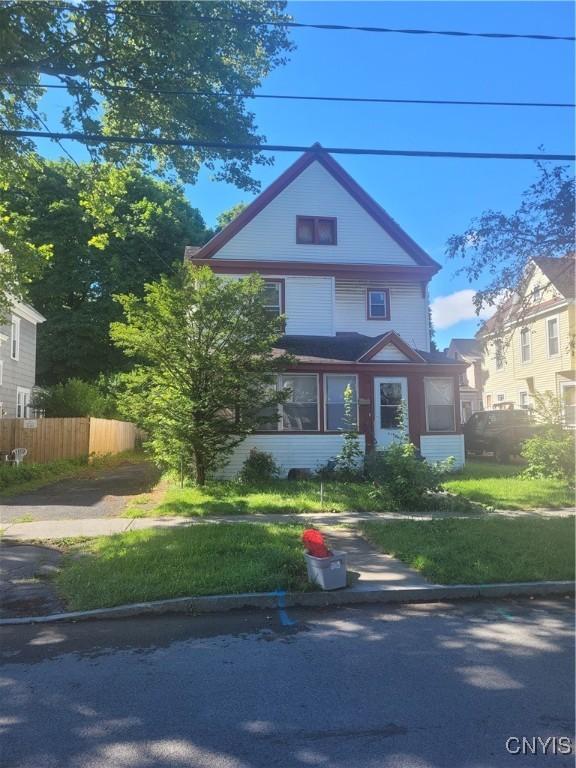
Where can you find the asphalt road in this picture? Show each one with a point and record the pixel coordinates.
(435, 686)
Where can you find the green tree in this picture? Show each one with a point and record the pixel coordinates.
(116, 58)
(75, 398)
(103, 230)
(229, 215)
(205, 366)
(498, 247)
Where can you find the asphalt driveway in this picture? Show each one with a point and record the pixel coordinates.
(105, 493)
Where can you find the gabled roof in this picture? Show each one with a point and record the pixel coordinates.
(318, 154)
(466, 347)
(351, 348)
(561, 273)
(391, 338)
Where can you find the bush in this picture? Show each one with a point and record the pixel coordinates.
(550, 454)
(74, 398)
(12, 477)
(402, 476)
(259, 466)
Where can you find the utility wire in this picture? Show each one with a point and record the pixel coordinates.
(111, 9)
(298, 97)
(199, 143)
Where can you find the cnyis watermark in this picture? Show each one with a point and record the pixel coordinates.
(539, 745)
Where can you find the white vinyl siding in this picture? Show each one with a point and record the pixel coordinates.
(271, 235)
(408, 311)
(390, 352)
(442, 447)
(309, 306)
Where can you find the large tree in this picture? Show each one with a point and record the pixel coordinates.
(104, 231)
(203, 347)
(497, 247)
(116, 57)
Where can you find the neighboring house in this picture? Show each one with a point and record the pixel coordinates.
(353, 287)
(528, 345)
(468, 351)
(18, 359)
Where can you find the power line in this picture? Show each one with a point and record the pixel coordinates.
(110, 9)
(299, 97)
(200, 144)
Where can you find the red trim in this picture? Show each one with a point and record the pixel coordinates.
(373, 271)
(379, 368)
(316, 153)
(316, 235)
(396, 341)
(386, 292)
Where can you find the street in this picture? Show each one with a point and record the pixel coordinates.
(414, 686)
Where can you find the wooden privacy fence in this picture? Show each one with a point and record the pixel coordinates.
(50, 439)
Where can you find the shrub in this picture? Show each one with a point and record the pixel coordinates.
(550, 454)
(402, 476)
(258, 467)
(74, 398)
(348, 463)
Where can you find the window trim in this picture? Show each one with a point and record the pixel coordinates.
(282, 283)
(529, 332)
(454, 429)
(15, 337)
(280, 428)
(315, 220)
(386, 292)
(548, 319)
(1, 378)
(526, 407)
(23, 391)
(325, 398)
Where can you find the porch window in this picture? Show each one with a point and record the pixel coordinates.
(273, 297)
(315, 230)
(439, 394)
(552, 335)
(334, 397)
(390, 405)
(378, 304)
(299, 413)
(525, 345)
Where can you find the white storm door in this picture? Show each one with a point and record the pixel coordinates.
(390, 406)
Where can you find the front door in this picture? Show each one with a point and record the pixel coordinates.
(390, 409)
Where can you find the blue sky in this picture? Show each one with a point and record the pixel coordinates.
(430, 198)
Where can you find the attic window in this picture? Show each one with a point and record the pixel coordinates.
(315, 230)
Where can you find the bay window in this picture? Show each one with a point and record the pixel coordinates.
(440, 412)
(335, 412)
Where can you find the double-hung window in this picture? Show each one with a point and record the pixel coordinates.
(15, 338)
(440, 411)
(316, 230)
(553, 337)
(22, 402)
(273, 296)
(525, 345)
(378, 304)
(336, 418)
(299, 412)
(499, 354)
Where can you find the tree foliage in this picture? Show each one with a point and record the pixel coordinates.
(81, 234)
(204, 365)
(114, 57)
(75, 398)
(223, 219)
(498, 246)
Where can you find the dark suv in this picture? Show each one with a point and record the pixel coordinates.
(500, 432)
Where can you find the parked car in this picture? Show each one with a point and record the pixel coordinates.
(499, 432)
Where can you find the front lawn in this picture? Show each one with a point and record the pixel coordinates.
(501, 486)
(480, 551)
(273, 497)
(198, 560)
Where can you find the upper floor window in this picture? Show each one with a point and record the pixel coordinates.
(15, 338)
(552, 336)
(499, 353)
(315, 230)
(537, 294)
(273, 295)
(378, 304)
(525, 345)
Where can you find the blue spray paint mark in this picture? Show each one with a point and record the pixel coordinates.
(285, 620)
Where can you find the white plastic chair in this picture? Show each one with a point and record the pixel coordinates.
(17, 455)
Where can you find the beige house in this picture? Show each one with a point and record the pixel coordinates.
(528, 346)
(468, 351)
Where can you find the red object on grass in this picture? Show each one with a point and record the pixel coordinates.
(315, 544)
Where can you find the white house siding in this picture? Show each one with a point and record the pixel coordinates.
(408, 311)
(309, 306)
(440, 447)
(271, 235)
(301, 451)
(390, 352)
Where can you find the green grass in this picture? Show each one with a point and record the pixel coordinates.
(198, 560)
(274, 497)
(480, 551)
(28, 476)
(500, 486)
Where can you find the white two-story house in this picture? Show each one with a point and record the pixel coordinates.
(353, 287)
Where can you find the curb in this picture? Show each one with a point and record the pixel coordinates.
(270, 600)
